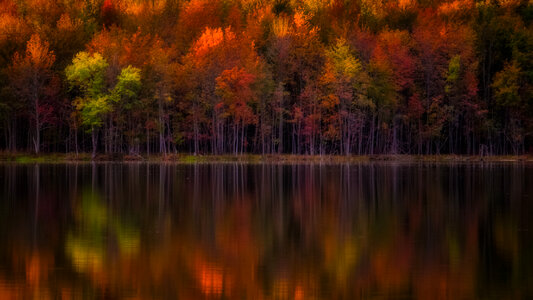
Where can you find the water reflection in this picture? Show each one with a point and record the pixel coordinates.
(265, 231)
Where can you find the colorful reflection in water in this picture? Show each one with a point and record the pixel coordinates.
(145, 231)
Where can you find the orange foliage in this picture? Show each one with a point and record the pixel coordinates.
(211, 38)
(38, 53)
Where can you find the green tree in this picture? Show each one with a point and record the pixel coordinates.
(87, 75)
(125, 99)
(507, 94)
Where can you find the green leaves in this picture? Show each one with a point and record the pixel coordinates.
(129, 82)
(454, 71)
(92, 110)
(506, 86)
(128, 86)
(88, 74)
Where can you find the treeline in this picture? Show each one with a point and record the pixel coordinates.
(253, 76)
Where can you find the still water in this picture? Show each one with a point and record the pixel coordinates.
(238, 231)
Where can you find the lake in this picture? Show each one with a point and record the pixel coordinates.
(266, 231)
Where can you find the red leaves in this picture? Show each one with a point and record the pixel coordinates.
(415, 108)
(234, 86)
(109, 13)
(393, 49)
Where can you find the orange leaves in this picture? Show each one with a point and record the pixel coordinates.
(121, 48)
(455, 8)
(405, 4)
(211, 38)
(393, 51)
(12, 27)
(196, 15)
(298, 25)
(234, 86)
(218, 49)
(38, 52)
(37, 56)
(106, 42)
(300, 20)
(236, 79)
(66, 23)
(136, 49)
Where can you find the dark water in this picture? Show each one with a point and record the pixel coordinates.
(138, 231)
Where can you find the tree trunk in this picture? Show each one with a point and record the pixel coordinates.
(94, 141)
(162, 147)
(76, 141)
(37, 138)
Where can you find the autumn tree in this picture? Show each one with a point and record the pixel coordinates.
(345, 95)
(297, 57)
(235, 89)
(507, 87)
(31, 79)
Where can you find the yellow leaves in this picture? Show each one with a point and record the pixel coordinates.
(344, 62)
(280, 27)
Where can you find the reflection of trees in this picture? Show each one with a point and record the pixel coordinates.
(99, 237)
(269, 231)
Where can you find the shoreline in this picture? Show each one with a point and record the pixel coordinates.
(256, 158)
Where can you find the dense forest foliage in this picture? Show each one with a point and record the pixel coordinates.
(258, 76)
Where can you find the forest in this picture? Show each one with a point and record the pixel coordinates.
(316, 77)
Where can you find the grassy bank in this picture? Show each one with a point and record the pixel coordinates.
(253, 158)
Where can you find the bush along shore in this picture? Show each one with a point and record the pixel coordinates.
(252, 158)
